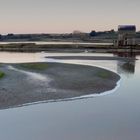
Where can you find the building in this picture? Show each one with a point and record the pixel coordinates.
(126, 35)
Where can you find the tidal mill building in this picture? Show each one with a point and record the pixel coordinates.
(126, 35)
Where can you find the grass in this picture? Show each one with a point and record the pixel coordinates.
(35, 66)
(2, 74)
(103, 74)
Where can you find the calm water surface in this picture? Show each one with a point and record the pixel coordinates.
(51, 42)
(115, 116)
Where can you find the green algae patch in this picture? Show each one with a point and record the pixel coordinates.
(2, 74)
(104, 74)
(35, 66)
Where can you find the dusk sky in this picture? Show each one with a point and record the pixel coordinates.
(58, 16)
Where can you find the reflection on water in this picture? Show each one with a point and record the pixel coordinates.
(126, 54)
(55, 42)
(112, 117)
(19, 57)
(128, 66)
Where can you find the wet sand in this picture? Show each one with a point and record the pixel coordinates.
(58, 81)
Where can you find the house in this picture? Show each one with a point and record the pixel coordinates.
(126, 35)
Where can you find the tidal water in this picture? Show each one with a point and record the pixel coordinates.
(114, 116)
(54, 42)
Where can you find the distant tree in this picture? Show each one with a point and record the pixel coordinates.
(93, 33)
(10, 36)
(112, 31)
(0, 37)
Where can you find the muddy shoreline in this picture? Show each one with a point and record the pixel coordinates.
(58, 81)
(92, 58)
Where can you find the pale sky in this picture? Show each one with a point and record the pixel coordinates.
(58, 16)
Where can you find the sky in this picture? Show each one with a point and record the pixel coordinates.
(65, 16)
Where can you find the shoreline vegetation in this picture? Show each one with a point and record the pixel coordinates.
(75, 47)
(34, 82)
(2, 74)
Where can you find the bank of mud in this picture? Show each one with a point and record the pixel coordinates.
(22, 84)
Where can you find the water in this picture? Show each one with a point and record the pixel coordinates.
(51, 42)
(114, 116)
(13, 57)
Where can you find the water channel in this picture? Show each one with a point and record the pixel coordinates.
(114, 116)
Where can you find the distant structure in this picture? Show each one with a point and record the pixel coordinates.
(126, 35)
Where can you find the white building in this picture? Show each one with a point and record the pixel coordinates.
(126, 35)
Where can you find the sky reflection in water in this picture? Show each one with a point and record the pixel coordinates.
(112, 117)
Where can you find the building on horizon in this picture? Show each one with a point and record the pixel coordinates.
(126, 36)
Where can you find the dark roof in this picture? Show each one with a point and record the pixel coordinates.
(126, 28)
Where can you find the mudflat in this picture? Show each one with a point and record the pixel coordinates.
(91, 58)
(33, 82)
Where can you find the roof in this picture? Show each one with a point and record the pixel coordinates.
(126, 28)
